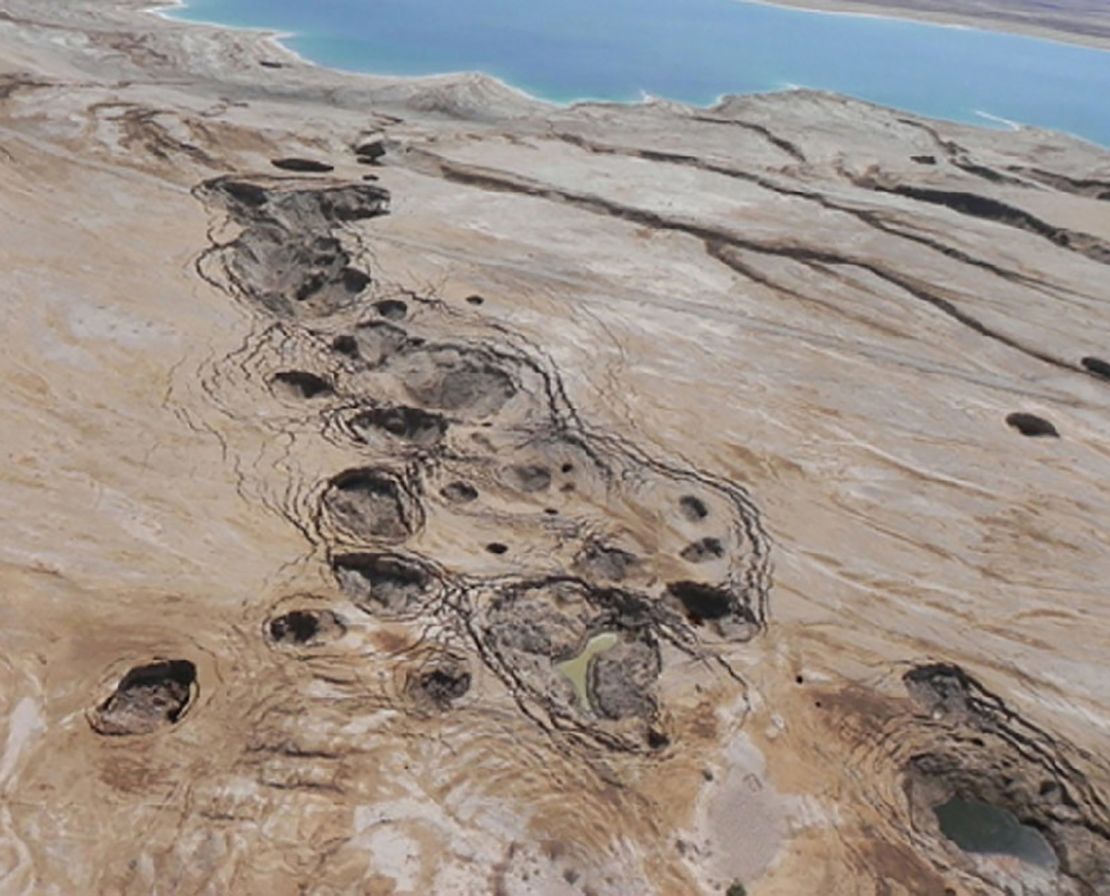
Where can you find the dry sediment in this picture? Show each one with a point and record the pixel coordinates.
(408, 446)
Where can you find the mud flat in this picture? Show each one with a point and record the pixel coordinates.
(412, 488)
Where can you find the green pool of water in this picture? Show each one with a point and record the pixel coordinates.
(575, 669)
(979, 827)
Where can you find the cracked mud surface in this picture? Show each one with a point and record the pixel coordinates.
(603, 500)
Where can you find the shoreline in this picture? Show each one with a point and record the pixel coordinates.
(976, 118)
(942, 19)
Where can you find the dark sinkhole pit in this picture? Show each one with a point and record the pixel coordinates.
(299, 627)
(442, 684)
(693, 508)
(702, 601)
(1096, 366)
(310, 166)
(392, 309)
(147, 698)
(382, 582)
(1031, 425)
(369, 503)
(370, 152)
(301, 384)
(703, 550)
(978, 827)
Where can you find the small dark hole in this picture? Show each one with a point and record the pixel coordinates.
(475, 300)
(370, 152)
(567, 468)
(1032, 425)
(551, 511)
(345, 345)
(702, 601)
(302, 384)
(303, 165)
(299, 626)
(701, 551)
(1096, 366)
(657, 740)
(354, 280)
(799, 680)
(692, 508)
(497, 548)
(392, 309)
(146, 698)
(444, 685)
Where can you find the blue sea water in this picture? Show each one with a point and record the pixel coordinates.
(695, 51)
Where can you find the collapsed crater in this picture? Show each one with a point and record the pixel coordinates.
(383, 582)
(974, 759)
(587, 656)
(720, 609)
(370, 503)
(457, 380)
(147, 698)
(300, 384)
(408, 424)
(305, 627)
(288, 256)
(1031, 425)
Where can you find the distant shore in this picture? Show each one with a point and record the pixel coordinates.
(984, 20)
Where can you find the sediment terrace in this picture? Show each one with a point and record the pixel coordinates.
(351, 419)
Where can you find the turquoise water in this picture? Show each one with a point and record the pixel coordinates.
(696, 50)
